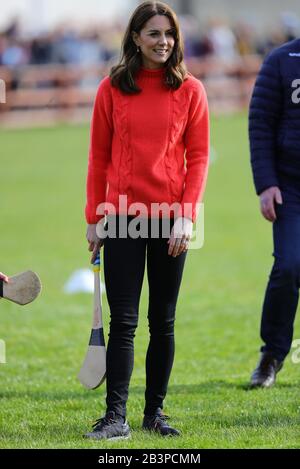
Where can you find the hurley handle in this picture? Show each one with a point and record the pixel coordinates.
(97, 320)
(97, 263)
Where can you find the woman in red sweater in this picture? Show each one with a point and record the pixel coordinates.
(148, 163)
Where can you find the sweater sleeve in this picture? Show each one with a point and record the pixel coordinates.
(196, 140)
(99, 152)
(264, 113)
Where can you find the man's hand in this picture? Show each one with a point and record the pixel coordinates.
(267, 202)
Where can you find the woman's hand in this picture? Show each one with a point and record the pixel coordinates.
(4, 277)
(180, 236)
(95, 243)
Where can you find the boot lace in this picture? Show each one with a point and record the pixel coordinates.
(103, 422)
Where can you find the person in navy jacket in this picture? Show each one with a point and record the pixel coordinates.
(274, 134)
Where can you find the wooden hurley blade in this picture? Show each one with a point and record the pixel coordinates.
(93, 370)
(22, 288)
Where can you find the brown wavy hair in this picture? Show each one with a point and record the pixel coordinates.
(123, 75)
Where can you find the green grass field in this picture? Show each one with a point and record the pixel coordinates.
(42, 180)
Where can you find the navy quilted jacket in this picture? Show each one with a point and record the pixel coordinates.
(274, 118)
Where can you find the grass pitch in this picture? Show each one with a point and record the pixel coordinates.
(42, 180)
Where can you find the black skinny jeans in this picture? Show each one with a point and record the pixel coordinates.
(124, 265)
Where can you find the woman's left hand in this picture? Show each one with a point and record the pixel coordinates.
(180, 236)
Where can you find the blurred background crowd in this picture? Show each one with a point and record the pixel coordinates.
(99, 43)
(54, 53)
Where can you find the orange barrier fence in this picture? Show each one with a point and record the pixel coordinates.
(43, 95)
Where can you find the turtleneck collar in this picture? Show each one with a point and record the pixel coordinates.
(151, 72)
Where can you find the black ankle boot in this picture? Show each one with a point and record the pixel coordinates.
(264, 375)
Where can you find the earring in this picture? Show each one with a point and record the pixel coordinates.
(138, 49)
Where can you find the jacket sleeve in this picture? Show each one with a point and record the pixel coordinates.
(99, 152)
(264, 114)
(196, 140)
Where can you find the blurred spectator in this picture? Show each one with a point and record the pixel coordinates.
(222, 39)
(245, 39)
(14, 53)
(65, 47)
(12, 31)
(41, 50)
(3, 45)
(274, 39)
(196, 44)
(91, 51)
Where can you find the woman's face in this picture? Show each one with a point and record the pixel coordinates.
(156, 41)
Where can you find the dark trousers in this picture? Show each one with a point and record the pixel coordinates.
(124, 265)
(281, 298)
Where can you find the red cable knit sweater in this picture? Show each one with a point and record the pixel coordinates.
(151, 147)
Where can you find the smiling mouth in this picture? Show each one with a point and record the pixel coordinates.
(160, 51)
